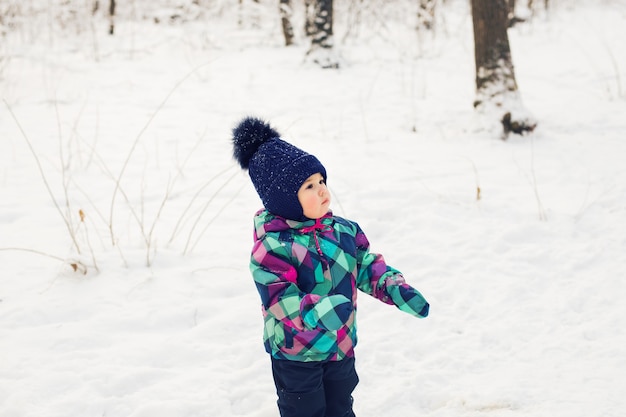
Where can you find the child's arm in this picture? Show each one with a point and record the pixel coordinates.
(385, 283)
(276, 280)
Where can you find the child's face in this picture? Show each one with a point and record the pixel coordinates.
(314, 197)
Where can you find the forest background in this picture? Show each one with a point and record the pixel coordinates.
(125, 224)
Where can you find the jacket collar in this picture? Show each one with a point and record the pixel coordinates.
(265, 222)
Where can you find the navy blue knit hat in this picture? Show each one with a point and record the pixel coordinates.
(277, 168)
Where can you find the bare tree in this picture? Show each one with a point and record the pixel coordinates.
(286, 12)
(309, 18)
(112, 17)
(319, 27)
(496, 88)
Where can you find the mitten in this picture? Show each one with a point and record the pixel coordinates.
(405, 297)
(330, 312)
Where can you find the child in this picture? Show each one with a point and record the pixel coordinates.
(307, 265)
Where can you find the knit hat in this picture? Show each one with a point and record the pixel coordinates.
(277, 168)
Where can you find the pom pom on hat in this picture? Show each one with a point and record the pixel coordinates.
(277, 168)
(248, 136)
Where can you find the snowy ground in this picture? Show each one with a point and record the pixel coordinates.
(526, 284)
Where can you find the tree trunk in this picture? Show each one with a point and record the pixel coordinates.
(112, 17)
(492, 53)
(286, 12)
(496, 87)
(323, 24)
(309, 21)
(320, 30)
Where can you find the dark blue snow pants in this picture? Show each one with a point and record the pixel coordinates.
(315, 389)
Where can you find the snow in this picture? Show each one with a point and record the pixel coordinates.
(525, 284)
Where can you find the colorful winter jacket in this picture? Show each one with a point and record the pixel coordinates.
(307, 274)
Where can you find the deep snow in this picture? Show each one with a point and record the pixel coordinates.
(526, 284)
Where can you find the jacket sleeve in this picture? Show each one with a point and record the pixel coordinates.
(276, 280)
(385, 283)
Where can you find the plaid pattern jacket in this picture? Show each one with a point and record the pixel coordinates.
(307, 274)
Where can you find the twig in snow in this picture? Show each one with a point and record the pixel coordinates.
(44, 178)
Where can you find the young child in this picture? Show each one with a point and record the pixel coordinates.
(307, 265)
